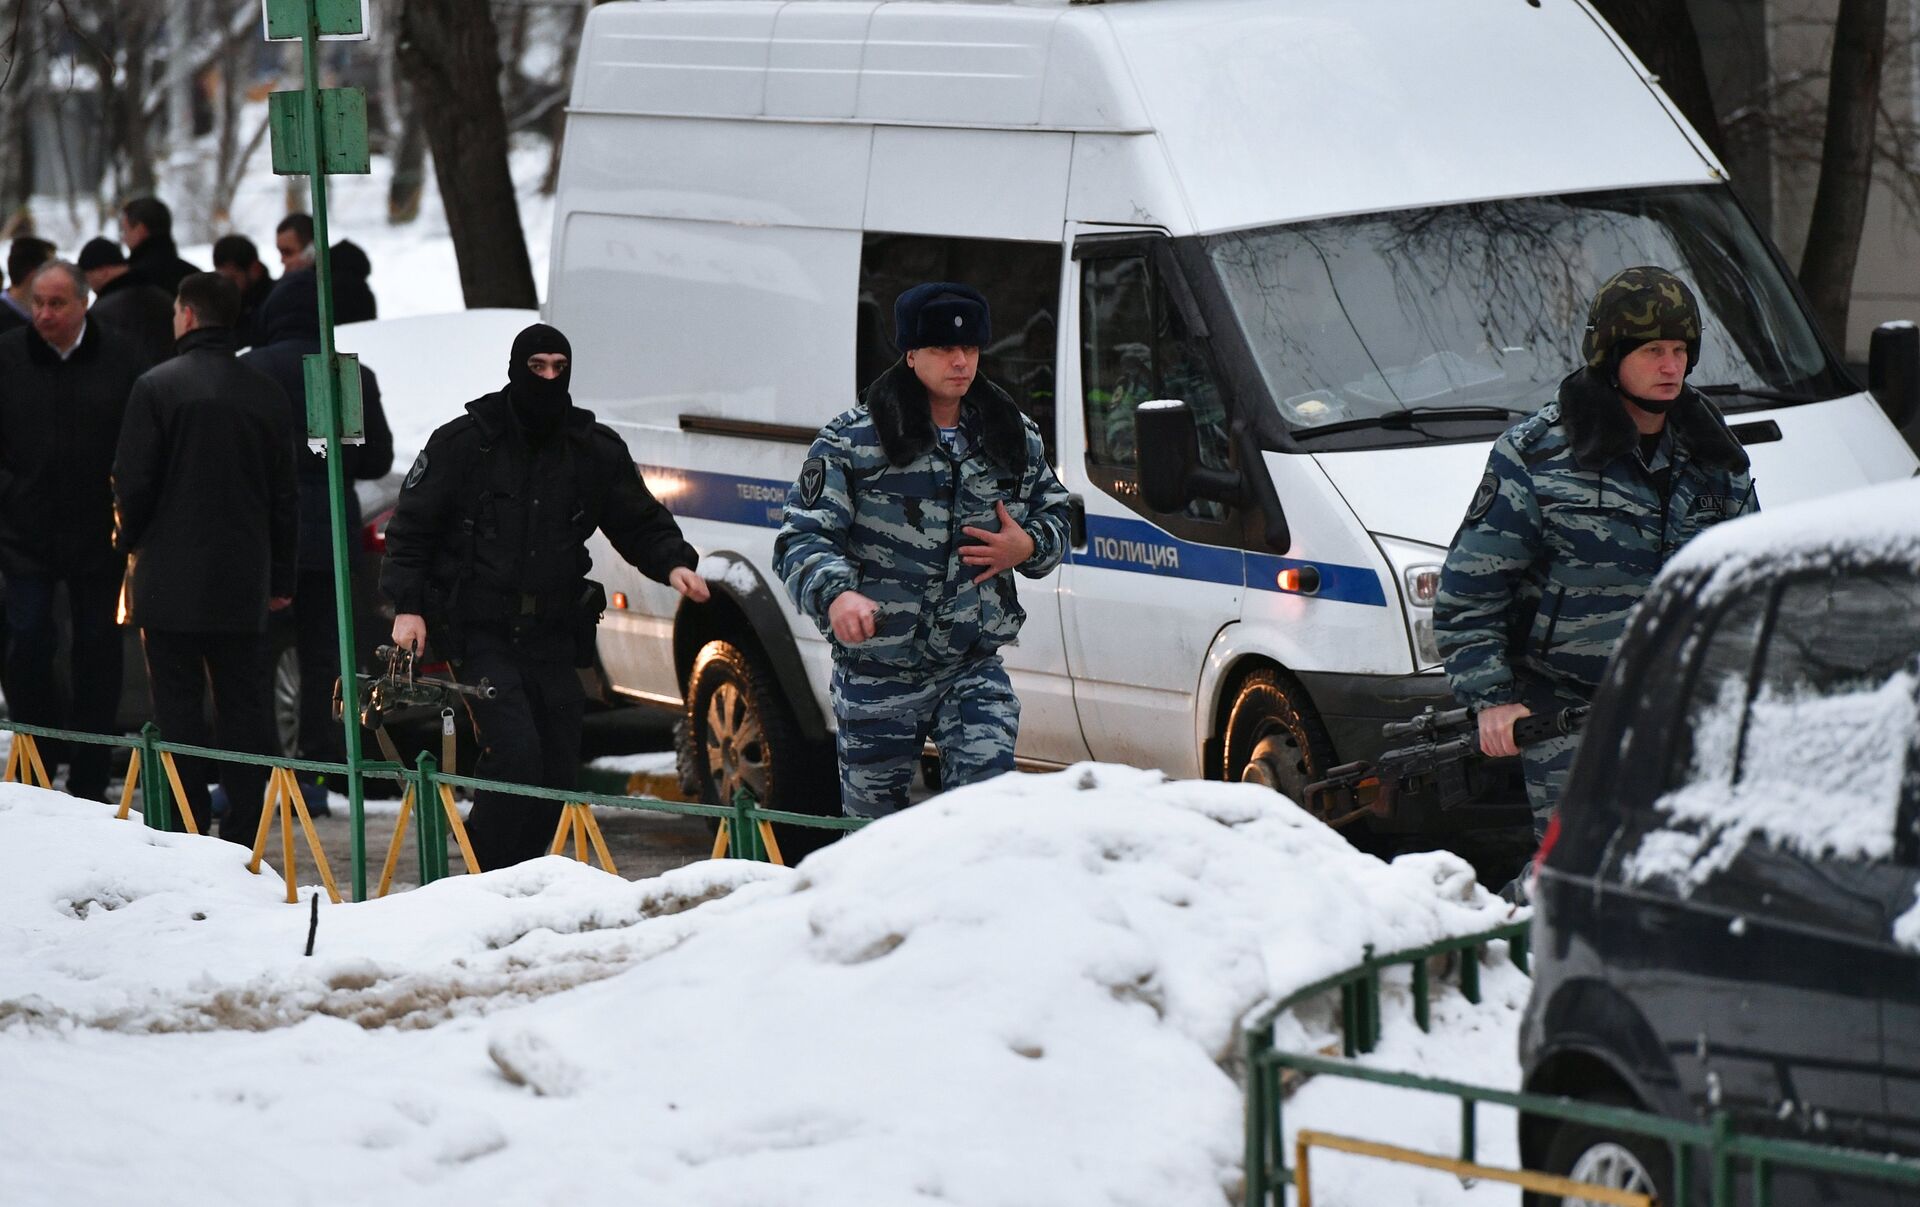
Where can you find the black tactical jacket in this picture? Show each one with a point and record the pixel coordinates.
(491, 530)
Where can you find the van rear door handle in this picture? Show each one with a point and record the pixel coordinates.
(1077, 521)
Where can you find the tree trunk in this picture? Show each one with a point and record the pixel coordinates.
(1661, 32)
(16, 104)
(1846, 163)
(450, 53)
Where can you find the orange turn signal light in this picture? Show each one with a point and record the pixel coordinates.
(619, 600)
(1300, 580)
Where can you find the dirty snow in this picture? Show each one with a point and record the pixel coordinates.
(1026, 991)
(656, 762)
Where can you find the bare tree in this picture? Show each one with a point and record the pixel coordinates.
(1846, 161)
(450, 53)
(18, 83)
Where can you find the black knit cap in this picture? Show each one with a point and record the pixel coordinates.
(99, 253)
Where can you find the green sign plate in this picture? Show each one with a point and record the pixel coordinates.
(346, 383)
(343, 20)
(343, 123)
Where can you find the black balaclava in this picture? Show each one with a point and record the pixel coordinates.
(538, 403)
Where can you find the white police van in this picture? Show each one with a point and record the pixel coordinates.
(1357, 240)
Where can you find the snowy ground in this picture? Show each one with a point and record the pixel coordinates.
(1025, 992)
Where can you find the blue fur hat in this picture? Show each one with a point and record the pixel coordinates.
(941, 314)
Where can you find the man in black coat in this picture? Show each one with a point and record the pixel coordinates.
(208, 507)
(63, 389)
(289, 332)
(487, 552)
(353, 300)
(141, 313)
(146, 227)
(238, 260)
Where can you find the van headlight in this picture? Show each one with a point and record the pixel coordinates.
(1418, 567)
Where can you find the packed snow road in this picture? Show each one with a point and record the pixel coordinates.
(1024, 992)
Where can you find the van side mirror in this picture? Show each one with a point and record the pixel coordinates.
(1893, 370)
(1171, 475)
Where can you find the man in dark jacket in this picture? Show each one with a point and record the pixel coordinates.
(289, 332)
(238, 260)
(63, 389)
(208, 506)
(141, 313)
(146, 227)
(353, 300)
(24, 258)
(486, 552)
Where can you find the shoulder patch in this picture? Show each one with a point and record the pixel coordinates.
(813, 477)
(418, 471)
(1483, 498)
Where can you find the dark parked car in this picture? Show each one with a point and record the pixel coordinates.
(1727, 915)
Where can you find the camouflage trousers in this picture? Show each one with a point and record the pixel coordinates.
(885, 719)
(1545, 765)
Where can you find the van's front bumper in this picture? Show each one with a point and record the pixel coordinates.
(1354, 707)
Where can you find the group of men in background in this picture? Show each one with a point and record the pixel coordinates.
(151, 472)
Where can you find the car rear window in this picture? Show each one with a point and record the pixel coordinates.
(1800, 727)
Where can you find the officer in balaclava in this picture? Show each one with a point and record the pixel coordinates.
(487, 561)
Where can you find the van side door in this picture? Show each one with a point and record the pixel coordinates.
(1021, 279)
(1145, 596)
(1748, 912)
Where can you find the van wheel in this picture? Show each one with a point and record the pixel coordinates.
(1609, 1159)
(739, 732)
(1273, 736)
(286, 698)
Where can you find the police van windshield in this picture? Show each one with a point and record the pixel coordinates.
(1476, 310)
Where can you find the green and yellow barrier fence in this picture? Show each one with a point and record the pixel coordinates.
(1268, 1174)
(746, 830)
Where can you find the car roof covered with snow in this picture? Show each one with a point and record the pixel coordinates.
(1877, 524)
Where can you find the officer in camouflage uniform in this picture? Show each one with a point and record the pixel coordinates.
(1581, 505)
(899, 535)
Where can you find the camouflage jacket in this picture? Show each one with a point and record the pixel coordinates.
(879, 507)
(1565, 534)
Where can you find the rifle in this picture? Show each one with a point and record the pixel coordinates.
(1445, 750)
(401, 689)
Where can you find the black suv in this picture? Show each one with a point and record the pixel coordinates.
(1726, 911)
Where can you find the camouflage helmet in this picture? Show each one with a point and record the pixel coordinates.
(1637, 305)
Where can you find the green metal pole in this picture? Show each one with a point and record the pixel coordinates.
(336, 473)
(429, 843)
(153, 780)
(1258, 1041)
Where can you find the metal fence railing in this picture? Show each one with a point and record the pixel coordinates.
(745, 829)
(1268, 1173)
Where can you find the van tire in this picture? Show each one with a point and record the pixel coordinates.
(1274, 737)
(736, 718)
(1574, 1143)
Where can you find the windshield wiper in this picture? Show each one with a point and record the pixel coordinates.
(1765, 395)
(1408, 419)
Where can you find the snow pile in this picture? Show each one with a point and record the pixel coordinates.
(1028, 991)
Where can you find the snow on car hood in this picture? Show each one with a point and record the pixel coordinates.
(1420, 493)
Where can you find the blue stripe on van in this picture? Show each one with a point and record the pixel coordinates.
(1113, 542)
(1117, 543)
(725, 498)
